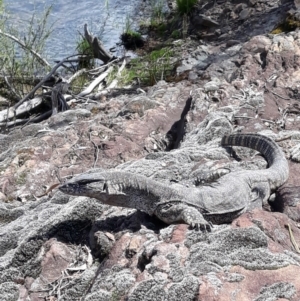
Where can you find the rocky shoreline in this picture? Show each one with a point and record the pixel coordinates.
(242, 78)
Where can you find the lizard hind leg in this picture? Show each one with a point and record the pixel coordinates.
(176, 212)
(260, 195)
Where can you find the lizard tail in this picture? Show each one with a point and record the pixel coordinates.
(278, 165)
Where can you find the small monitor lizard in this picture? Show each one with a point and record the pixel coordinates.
(199, 207)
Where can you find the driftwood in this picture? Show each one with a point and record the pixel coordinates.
(26, 121)
(28, 106)
(95, 83)
(40, 84)
(97, 46)
(25, 111)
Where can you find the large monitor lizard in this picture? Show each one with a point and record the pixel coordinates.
(199, 207)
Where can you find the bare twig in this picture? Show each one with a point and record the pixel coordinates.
(57, 97)
(246, 117)
(294, 243)
(270, 121)
(96, 152)
(283, 138)
(9, 113)
(11, 87)
(41, 60)
(97, 70)
(285, 98)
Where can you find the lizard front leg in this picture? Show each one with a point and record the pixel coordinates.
(175, 212)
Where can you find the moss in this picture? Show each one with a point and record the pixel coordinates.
(176, 34)
(132, 40)
(289, 24)
(185, 6)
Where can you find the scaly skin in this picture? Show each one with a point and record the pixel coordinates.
(221, 202)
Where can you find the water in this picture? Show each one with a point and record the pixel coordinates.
(69, 16)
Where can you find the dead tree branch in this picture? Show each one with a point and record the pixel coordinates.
(31, 93)
(95, 82)
(40, 59)
(57, 97)
(97, 46)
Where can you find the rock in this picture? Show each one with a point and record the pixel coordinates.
(206, 21)
(245, 13)
(102, 243)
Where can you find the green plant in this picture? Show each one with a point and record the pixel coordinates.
(131, 39)
(158, 64)
(22, 52)
(148, 69)
(175, 34)
(83, 47)
(21, 178)
(79, 83)
(185, 6)
(154, 66)
(157, 15)
(289, 24)
(86, 53)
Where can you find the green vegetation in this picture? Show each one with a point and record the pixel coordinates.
(22, 52)
(157, 15)
(176, 25)
(289, 24)
(185, 6)
(176, 34)
(131, 39)
(84, 49)
(79, 83)
(148, 69)
(158, 65)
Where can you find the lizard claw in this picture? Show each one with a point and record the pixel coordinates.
(194, 218)
(202, 226)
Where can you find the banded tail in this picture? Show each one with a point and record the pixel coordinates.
(277, 162)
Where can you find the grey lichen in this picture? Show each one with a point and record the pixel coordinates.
(276, 291)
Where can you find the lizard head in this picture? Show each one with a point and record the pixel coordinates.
(84, 186)
(95, 187)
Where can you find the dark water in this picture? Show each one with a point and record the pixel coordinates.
(69, 17)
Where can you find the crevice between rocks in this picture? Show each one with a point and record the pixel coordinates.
(145, 259)
(175, 135)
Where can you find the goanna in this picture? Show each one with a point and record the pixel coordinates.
(199, 207)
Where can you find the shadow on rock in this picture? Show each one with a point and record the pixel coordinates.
(132, 222)
(288, 201)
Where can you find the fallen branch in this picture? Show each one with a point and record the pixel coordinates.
(95, 82)
(26, 121)
(42, 82)
(24, 108)
(75, 75)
